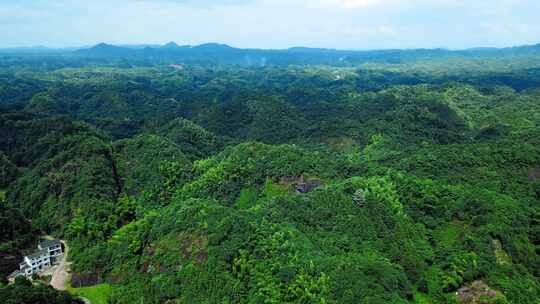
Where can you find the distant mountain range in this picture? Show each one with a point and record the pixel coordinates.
(215, 53)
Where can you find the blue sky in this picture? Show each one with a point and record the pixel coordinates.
(344, 24)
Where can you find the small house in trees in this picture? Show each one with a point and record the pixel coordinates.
(45, 257)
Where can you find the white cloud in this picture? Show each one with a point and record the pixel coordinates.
(511, 29)
(349, 4)
(364, 31)
(272, 23)
(202, 3)
(359, 3)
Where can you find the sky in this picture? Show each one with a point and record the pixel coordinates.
(341, 24)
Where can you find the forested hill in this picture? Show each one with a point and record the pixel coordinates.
(409, 182)
(214, 53)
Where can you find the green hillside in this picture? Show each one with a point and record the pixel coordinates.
(415, 181)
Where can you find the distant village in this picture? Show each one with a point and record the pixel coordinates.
(48, 254)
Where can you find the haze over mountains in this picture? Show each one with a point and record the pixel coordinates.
(225, 54)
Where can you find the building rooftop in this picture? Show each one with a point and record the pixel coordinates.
(49, 243)
(38, 254)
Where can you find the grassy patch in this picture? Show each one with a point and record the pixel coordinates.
(271, 189)
(248, 198)
(2, 196)
(97, 294)
(421, 298)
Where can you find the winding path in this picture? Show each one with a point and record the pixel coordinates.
(61, 273)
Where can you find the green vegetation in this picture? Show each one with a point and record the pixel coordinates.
(180, 185)
(97, 294)
(24, 292)
(16, 234)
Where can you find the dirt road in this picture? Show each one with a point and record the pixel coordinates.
(61, 273)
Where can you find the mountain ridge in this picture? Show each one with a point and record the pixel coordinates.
(218, 53)
(298, 47)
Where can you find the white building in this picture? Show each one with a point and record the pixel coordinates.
(53, 248)
(46, 256)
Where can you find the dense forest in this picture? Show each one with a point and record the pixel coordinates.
(194, 175)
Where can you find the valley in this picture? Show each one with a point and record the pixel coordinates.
(197, 176)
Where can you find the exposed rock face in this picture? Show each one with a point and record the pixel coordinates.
(479, 292)
(300, 183)
(359, 197)
(500, 254)
(85, 279)
(534, 174)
